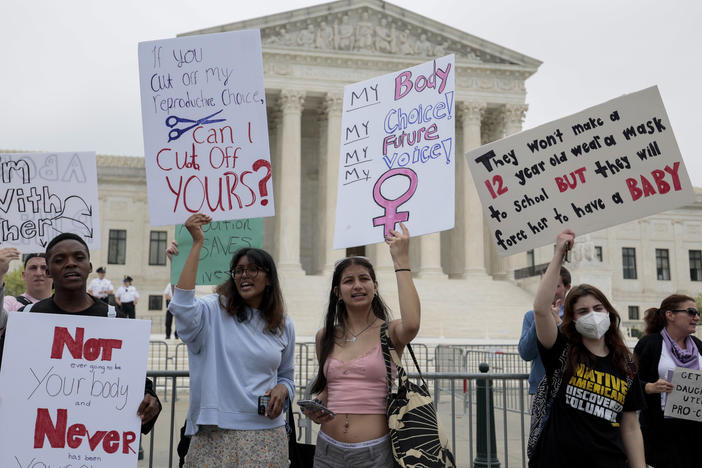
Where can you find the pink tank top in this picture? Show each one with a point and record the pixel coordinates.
(358, 386)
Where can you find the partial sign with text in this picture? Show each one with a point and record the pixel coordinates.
(70, 394)
(606, 165)
(397, 154)
(203, 108)
(45, 194)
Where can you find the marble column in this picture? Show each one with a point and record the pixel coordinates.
(330, 118)
(271, 243)
(513, 115)
(473, 241)
(430, 256)
(288, 213)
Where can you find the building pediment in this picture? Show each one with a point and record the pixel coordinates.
(366, 28)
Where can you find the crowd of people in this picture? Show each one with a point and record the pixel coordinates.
(593, 401)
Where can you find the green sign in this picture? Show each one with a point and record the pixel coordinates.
(222, 240)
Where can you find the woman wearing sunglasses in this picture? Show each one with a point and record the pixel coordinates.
(351, 380)
(241, 348)
(669, 343)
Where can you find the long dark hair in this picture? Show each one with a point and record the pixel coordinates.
(272, 306)
(622, 358)
(655, 317)
(337, 315)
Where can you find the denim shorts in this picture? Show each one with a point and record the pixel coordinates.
(333, 454)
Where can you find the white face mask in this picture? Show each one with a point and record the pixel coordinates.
(593, 324)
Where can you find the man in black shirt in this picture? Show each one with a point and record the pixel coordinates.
(68, 264)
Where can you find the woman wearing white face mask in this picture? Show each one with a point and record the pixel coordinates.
(584, 412)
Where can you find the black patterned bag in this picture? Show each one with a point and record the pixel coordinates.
(417, 441)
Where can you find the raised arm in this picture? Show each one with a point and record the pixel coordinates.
(544, 317)
(189, 274)
(404, 330)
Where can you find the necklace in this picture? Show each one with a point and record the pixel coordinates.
(355, 337)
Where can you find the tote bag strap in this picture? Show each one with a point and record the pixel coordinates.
(390, 353)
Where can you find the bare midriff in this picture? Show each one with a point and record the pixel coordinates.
(360, 428)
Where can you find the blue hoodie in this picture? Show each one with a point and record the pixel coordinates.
(232, 363)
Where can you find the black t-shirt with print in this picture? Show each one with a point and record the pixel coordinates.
(583, 428)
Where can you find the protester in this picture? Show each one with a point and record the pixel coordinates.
(37, 283)
(101, 287)
(584, 412)
(241, 348)
(352, 380)
(669, 343)
(127, 297)
(68, 265)
(528, 348)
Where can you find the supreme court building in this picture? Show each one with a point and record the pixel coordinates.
(467, 291)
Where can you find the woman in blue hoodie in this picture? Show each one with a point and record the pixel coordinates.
(241, 348)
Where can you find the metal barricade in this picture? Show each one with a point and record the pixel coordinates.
(510, 424)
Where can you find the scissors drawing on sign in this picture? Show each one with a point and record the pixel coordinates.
(175, 133)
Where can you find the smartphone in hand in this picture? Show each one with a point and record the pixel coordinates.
(314, 405)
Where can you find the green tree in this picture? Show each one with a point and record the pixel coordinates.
(14, 284)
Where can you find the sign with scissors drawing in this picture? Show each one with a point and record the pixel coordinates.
(45, 194)
(203, 107)
(397, 154)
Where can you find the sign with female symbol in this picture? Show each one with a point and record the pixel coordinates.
(397, 154)
(392, 216)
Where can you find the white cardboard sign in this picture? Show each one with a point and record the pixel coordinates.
(685, 401)
(203, 108)
(397, 154)
(604, 166)
(45, 194)
(70, 389)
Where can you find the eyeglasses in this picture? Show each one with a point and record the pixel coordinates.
(251, 272)
(691, 311)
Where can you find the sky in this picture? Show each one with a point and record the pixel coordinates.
(69, 77)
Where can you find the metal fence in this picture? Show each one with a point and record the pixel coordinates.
(457, 404)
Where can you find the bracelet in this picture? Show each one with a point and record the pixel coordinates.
(402, 269)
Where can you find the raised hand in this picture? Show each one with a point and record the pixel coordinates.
(399, 246)
(194, 226)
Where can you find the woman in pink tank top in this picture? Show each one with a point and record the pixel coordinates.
(351, 380)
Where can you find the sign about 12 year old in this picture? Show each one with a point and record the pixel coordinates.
(604, 166)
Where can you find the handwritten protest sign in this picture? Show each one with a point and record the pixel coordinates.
(397, 154)
(685, 401)
(203, 107)
(70, 393)
(45, 194)
(222, 240)
(606, 165)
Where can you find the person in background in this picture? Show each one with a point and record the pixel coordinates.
(68, 265)
(127, 297)
(241, 353)
(528, 347)
(352, 378)
(101, 287)
(593, 392)
(37, 282)
(7, 254)
(168, 295)
(669, 343)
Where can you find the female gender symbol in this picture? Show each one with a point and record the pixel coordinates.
(392, 216)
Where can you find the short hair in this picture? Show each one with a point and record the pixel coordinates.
(62, 237)
(565, 276)
(127, 278)
(31, 256)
